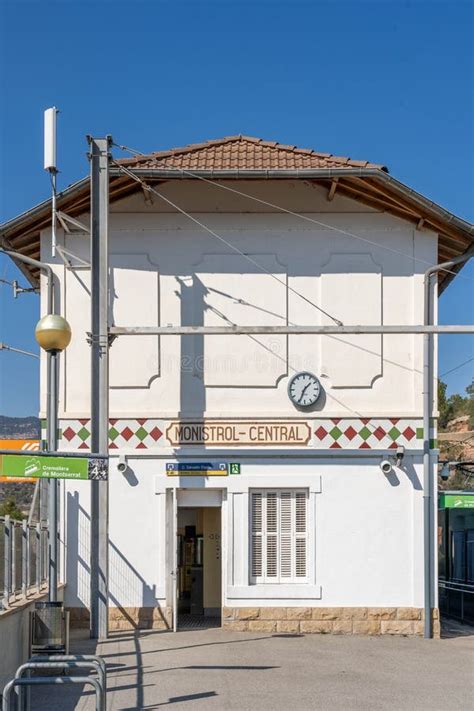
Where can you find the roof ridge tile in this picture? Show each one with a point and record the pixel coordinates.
(244, 152)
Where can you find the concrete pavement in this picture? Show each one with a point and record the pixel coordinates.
(216, 670)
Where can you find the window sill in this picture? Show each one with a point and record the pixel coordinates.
(275, 591)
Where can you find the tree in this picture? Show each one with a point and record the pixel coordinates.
(9, 508)
(470, 406)
(443, 405)
(455, 405)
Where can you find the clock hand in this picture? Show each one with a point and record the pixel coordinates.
(303, 391)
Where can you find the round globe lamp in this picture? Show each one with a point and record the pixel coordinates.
(53, 333)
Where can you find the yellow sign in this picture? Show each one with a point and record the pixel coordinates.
(25, 445)
(196, 469)
(254, 434)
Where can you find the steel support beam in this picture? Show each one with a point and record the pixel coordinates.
(99, 171)
(428, 479)
(52, 442)
(282, 330)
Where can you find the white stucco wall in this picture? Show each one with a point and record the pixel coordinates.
(167, 271)
(366, 528)
(366, 535)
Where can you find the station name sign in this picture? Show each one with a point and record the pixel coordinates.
(220, 433)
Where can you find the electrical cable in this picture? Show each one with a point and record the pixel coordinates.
(447, 372)
(290, 212)
(224, 241)
(148, 187)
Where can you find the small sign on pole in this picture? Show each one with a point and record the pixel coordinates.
(32, 466)
(26, 445)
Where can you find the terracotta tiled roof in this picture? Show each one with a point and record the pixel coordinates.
(244, 153)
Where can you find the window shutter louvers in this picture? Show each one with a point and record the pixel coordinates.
(278, 536)
(285, 534)
(301, 534)
(257, 528)
(272, 535)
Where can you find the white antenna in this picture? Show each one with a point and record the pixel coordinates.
(50, 116)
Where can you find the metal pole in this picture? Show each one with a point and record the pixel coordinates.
(24, 557)
(7, 544)
(38, 556)
(53, 173)
(13, 559)
(285, 330)
(99, 157)
(52, 306)
(428, 481)
(53, 484)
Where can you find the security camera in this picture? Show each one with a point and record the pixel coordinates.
(122, 465)
(400, 455)
(386, 466)
(445, 471)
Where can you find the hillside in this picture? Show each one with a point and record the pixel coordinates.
(18, 428)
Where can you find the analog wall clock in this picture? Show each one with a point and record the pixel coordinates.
(304, 389)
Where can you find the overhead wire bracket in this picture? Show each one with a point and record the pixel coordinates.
(67, 220)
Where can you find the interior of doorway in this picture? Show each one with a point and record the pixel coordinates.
(199, 567)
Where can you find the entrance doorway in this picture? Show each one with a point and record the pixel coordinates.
(199, 567)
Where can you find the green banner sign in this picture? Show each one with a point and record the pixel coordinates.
(456, 501)
(52, 467)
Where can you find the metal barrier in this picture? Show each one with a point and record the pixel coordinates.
(9, 702)
(63, 662)
(78, 660)
(23, 559)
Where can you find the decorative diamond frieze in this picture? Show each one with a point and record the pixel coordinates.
(327, 433)
(127, 433)
(366, 433)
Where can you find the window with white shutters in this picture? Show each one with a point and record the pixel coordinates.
(279, 536)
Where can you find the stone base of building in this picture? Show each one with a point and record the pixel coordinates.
(329, 620)
(126, 618)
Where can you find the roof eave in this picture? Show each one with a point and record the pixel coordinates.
(16, 222)
(259, 174)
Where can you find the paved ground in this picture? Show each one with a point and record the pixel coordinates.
(216, 670)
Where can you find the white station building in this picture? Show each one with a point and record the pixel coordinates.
(252, 495)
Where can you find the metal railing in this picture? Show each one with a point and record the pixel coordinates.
(71, 663)
(23, 560)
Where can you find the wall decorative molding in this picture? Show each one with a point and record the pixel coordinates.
(326, 433)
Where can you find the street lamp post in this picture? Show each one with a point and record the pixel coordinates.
(53, 334)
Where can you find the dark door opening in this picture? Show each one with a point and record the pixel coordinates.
(199, 567)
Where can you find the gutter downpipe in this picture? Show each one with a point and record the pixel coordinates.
(427, 411)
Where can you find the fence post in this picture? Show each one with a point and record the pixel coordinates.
(13, 558)
(45, 555)
(24, 557)
(38, 557)
(8, 561)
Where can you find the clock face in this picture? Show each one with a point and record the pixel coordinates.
(304, 389)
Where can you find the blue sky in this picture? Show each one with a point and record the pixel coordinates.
(386, 81)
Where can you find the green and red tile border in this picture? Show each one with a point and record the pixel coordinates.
(327, 433)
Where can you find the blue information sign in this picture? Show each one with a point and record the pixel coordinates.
(196, 469)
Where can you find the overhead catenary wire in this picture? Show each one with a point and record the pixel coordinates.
(338, 323)
(231, 246)
(456, 367)
(299, 215)
(304, 217)
(6, 281)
